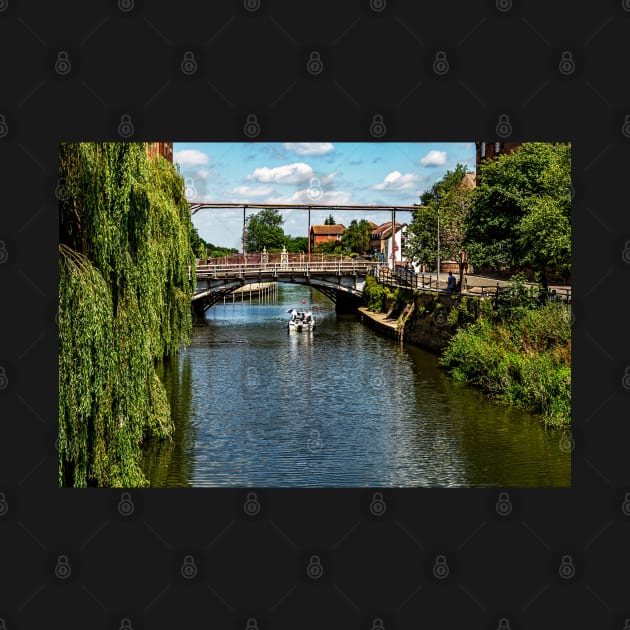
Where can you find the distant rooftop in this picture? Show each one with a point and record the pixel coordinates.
(338, 228)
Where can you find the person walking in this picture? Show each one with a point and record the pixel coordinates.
(450, 284)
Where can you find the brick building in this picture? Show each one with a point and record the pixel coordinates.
(489, 150)
(325, 233)
(165, 149)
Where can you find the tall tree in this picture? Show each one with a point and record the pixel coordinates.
(521, 213)
(264, 230)
(330, 220)
(356, 238)
(452, 197)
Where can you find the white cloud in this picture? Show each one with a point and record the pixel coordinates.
(191, 158)
(244, 192)
(433, 158)
(296, 173)
(395, 181)
(309, 148)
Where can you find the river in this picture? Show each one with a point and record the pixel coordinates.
(343, 406)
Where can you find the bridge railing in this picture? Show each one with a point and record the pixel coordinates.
(499, 294)
(338, 268)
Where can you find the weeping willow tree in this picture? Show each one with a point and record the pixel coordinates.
(124, 303)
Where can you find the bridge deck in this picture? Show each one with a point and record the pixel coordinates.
(285, 269)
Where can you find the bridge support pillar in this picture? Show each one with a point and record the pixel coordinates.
(346, 303)
(197, 308)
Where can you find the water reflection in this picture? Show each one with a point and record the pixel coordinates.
(255, 405)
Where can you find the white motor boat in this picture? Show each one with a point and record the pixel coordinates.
(301, 321)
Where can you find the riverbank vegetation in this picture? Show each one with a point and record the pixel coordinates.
(124, 302)
(519, 355)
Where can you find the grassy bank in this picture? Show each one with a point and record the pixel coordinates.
(521, 356)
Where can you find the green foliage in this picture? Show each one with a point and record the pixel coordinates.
(376, 296)
(330, 247)
(521, 209)
(330, 220)
(454, 199)
(525, 361)
(197, 244)
(264, 229)
(356, 238)
(215, 251)
(463, 313)
(124, 302)
(296, 244)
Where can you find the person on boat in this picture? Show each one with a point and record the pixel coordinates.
(293, 314)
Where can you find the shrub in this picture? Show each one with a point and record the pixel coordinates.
(524, 360)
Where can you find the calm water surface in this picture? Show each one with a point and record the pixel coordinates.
(339, 407)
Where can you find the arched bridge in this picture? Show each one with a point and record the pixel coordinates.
(342, 282)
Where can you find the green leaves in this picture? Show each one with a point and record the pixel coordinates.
(453, 198)
(356, 238)
(263, 229)
(521, 209)
(124, 302)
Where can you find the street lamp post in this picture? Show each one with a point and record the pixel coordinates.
(437, 284)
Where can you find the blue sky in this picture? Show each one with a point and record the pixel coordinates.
(326, 173)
